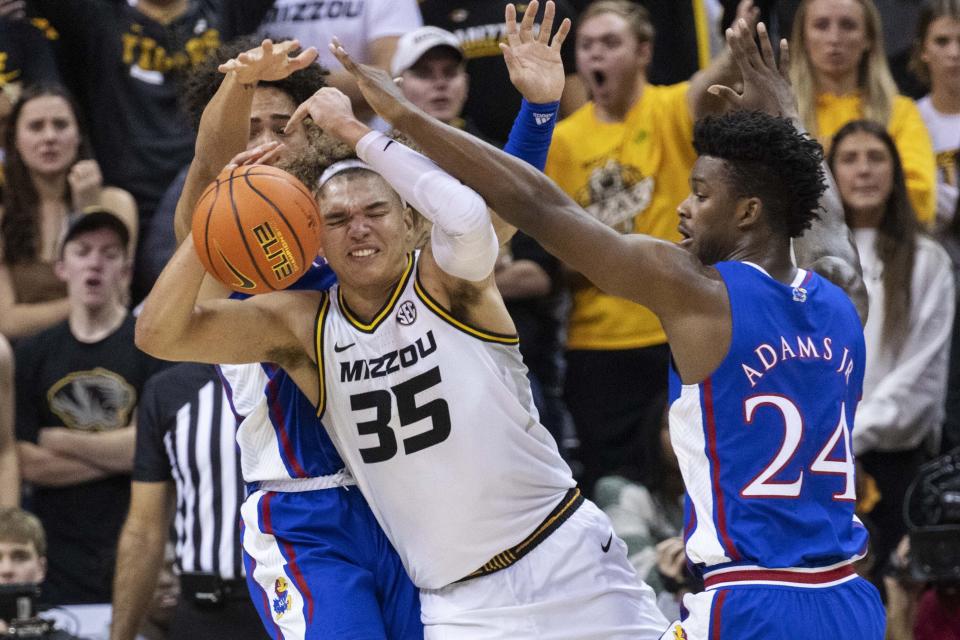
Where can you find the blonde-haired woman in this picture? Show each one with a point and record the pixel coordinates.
(840, 73)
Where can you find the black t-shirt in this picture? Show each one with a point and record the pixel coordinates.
(61, 381)
(26, 55)
(493, 102)
(126, 69)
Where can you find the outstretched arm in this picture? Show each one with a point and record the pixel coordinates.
(175, 325)
(827, 247)
(225, 124)
(637, 267)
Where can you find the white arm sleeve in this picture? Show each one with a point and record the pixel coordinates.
(463, 239)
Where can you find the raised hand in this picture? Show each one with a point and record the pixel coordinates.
(86, 183)
(766, 87)
(330, 110)
(747, 11)
(378, 88)
(269, 61)
(533, 61)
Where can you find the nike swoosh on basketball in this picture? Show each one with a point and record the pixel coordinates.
(244, 281)
(606, 547)
(338, 348)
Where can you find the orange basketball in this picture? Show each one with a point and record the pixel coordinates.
(256, 229)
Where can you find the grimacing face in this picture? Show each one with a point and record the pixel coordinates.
(366, 229)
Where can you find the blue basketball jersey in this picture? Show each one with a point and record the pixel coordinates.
(764, 442)
(288, 440)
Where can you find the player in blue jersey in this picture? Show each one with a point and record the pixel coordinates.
(768, 354)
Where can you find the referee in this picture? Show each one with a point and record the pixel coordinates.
(186, 462)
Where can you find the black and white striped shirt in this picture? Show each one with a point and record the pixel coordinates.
(186, 432)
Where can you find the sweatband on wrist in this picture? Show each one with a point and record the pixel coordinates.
(532, 132)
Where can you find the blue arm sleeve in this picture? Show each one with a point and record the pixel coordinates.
(532, 131)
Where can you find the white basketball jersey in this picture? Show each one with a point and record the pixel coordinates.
(436, 421)
(260, 457)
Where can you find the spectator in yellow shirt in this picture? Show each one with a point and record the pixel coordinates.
(839, 74)
(625, 157)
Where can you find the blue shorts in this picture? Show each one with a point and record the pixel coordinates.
(851, 611)
(319, 566)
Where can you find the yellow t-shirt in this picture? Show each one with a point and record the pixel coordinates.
(909, 133)
(632, 175)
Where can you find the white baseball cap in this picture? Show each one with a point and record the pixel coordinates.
(411, 47)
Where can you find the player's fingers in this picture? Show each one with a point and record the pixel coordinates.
(341, 54)
(287, 46)
(245, 156)
(508, 56)
(298, 116)
(228, 66)
(785, 59)
(753, 53)
(561, 35)
(304, 59)
(546, 25)
(526, 25)
(271, 154)
(510, 24)
(766, 49)
(725, 93)
(267, 46)
(736, 50)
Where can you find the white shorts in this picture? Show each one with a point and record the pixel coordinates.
(566, 587)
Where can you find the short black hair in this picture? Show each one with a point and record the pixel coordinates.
(94, 219)
(767, 158)
(204, 79)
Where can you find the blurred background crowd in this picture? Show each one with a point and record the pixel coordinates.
(97, 126)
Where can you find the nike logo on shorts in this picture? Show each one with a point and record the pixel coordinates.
(606, 547)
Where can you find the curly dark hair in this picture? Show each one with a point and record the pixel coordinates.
(20, 227)
(204, 79)
(769, 159)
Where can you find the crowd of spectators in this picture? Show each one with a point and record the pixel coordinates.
(97, 134)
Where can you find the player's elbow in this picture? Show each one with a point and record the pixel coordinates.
(151, 337)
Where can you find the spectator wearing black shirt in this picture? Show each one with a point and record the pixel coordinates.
(124, 62)
(77, 387)
(186, 455)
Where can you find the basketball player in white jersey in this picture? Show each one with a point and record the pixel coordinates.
(413, 365)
